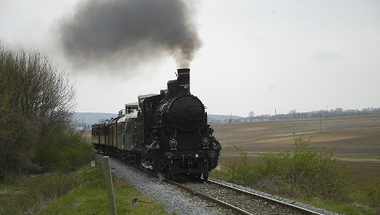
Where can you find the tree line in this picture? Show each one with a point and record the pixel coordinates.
(36, 108)
(294, 114)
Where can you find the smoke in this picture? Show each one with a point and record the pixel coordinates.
(128, 33)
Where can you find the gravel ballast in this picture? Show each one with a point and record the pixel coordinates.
(174, 199)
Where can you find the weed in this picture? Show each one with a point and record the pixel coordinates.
(240, 171)
(91, 198)
(31, 193)
(307, 174)
(306, 171)
(80, 192)
(371, 191)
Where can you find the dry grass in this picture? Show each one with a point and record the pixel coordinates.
(357, 139)
(87, 136)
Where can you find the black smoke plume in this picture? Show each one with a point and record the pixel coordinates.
(118, 33)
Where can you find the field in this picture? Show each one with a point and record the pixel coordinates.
(356, 138)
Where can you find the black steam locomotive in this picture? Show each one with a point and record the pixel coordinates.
(166, 133)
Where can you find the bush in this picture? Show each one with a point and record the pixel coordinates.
(371, 192)
(36, 105)
(63, 151)
(240, 171)
(28, 194)
(307, 171)
(309, 174)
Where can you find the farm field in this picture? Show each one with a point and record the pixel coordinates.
(356, 138)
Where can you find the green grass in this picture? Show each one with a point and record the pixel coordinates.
(353, 207)
(27, 194)
(337, 206)
(92, 198)
(306, 174)
(80, 192)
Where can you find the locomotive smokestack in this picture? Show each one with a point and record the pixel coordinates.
(181, 85)
(184, 80)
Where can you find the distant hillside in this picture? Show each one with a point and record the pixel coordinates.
(91, 118)
(215, 118)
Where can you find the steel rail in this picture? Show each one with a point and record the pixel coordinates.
(227, 205)
(224, 204)
(292, 206)
(221, 203)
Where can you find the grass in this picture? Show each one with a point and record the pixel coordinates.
(356, 139)
(27, 194)
(86, 191)
(80, 192)
(92, 198)
(337, 206)
(349, 208)
(306, 174)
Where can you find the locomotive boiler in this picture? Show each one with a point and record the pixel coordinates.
(166, 132)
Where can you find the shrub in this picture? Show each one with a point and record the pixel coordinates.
(63, 151)
(240, 171)
(37, 100)
(371, 192)
(307, 171)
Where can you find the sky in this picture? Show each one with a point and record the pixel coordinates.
(262, 56)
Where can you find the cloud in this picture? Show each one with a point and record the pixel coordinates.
(271, 87)
(324, 55)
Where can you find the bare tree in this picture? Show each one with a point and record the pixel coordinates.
(36, 99)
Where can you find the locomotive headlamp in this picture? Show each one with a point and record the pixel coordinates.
(186, 86)
(205, 141)
(173, 143)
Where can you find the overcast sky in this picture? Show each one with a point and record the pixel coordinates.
(256, 56)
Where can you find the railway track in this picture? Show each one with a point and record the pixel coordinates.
(241, 201)
(234, 199)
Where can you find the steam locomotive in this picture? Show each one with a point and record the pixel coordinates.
(166, 133)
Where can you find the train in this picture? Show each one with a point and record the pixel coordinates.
(167, 133)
